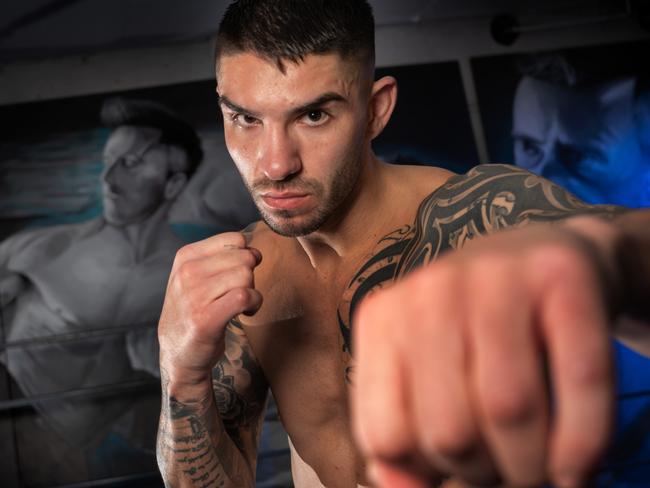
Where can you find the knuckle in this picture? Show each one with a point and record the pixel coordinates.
(451, 440)
(183, 255)
(186, 272)
(249, 259)
(554, 261)
(240, 297)
(509, 407)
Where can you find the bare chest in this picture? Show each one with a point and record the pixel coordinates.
(305, 362)
(303, 354)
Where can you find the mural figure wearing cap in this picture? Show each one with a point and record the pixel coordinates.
(100, 274)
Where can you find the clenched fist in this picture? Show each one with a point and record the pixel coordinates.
(211, 282)
(454, 363)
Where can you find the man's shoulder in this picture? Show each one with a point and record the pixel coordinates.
(498, 183)
(426, 186)
(47, 242)
(481, 174)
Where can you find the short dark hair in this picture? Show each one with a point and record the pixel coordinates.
(175, 131)
(289, 30)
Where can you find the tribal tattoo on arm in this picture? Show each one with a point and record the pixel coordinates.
(487, 199)
(212, 441)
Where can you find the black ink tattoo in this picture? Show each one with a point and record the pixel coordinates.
(212, 441)
(485, 200)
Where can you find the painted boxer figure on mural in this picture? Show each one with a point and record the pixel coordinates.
(403, 317)
(98, 275)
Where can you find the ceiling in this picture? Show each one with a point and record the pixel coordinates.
(52, 28)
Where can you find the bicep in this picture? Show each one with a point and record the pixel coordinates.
(240, 390)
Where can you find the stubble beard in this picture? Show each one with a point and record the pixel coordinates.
(290, 224)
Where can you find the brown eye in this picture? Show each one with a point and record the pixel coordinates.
(315, 118)
(315, 115)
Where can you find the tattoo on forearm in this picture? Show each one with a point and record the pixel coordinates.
(215, 446)
(485, 200)
(188, 439)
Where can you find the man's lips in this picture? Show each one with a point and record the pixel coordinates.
(284, 200)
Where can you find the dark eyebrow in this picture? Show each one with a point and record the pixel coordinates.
(223, 100)
(312, 105)
(319, 102)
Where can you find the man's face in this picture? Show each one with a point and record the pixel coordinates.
(298, 138)
(583, 139)
(136, 168)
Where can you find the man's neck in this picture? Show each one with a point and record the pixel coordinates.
(360, 221)
(143, 235)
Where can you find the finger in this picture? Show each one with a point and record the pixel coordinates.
(379, 420)
(575, 328)
(507, 371)
(208, 266)
(233, 303)
(225, 281)
(210, 246)
(444, 421)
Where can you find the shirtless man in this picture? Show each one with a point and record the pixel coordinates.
(433, 389)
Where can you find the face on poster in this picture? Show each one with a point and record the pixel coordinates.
(578, 117)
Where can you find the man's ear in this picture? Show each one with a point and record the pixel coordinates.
(382, 102)
(175, 185)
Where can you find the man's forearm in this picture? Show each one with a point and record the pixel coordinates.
(193, 448)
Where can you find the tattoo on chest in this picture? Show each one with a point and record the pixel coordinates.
(485, 200)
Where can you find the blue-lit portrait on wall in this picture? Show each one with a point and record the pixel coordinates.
(580, 117)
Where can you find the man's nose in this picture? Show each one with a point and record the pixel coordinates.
(279, 156)
(110, 173)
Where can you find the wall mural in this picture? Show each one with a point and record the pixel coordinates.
(97, 194)
(581, 117)
(93, 210)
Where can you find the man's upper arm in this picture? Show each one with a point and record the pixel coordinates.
(487, 199)
(240, 390)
